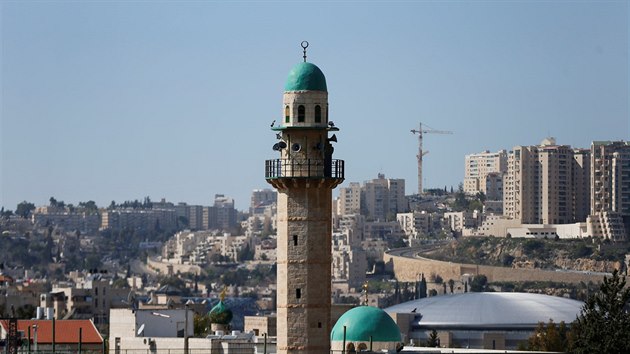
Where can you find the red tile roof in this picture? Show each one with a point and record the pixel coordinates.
(66, 331)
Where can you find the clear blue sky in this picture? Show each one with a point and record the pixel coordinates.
(117, 100)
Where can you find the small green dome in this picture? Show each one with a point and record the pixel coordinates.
(220, 314)
(365, 321)
(306, 76)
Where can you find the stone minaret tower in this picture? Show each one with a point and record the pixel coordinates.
(304, 176)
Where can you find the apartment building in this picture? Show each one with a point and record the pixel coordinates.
(478, 167)
(610, 190)
(349, 262)
(143, 219)
(66, 219)
(383, 198)
(544, 184)
(222, 215)
(349, 201)
(261, 198)
(418, 224)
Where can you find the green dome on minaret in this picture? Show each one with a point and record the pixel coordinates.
(220, 314)
(306, 76)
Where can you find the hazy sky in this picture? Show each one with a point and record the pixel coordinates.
(117, 100)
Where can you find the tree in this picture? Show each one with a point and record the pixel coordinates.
(433, 340)
(478, 283)
(549, 337)
(202, 325)
(5, 213)
(24, 208)
(451, 284)
(423, 287)
(603, 325)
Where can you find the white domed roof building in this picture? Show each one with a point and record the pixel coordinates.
(482, 320)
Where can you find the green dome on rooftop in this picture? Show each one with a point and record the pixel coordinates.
(306, 76)
(365, 321)
(220, 314)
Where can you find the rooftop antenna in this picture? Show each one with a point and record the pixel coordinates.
(304, 45)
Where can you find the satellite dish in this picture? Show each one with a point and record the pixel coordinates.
(282, 145)
(141, 330)
(296, 147)
(276, 147)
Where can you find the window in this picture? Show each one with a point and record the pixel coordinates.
(295, 240)
(318, 114)
(327, 110)
(298, 293)
(287, 114)
(301, 113)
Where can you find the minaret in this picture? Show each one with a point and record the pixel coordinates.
(304, 176)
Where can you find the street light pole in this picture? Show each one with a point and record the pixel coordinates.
(186, 305)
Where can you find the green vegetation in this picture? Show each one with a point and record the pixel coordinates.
(478, 283)
(202, 325)
(24, 208)
(549, 337)
(433, 340)
(603, 326)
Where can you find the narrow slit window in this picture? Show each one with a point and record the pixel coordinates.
(287, 114)
(301, 113)
(318, 114)
(298, 293)
(295, 238)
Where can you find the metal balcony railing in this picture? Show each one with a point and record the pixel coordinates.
(310, 168)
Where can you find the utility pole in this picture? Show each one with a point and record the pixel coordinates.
(421, 153)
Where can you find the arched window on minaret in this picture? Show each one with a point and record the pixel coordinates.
(287, 114)
(327, 110)
(318, 114)
(301, 113)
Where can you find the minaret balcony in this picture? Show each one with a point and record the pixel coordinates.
(310, 168)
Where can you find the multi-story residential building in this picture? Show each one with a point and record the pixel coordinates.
(195, 217)
(383, 198)
(353, 225)
(492, 186)
(581, 174)
(65, 219)
(198, 247)
(262, 198)
(349, 201)
(349, 263)
(478, 167)
(220, 216)
(143, 219)
(90, 298)
(458, 221)
(539, 186)
(610, 190)
(383, 230)
(418, 224)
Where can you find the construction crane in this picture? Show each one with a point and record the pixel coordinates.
(421, 153)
